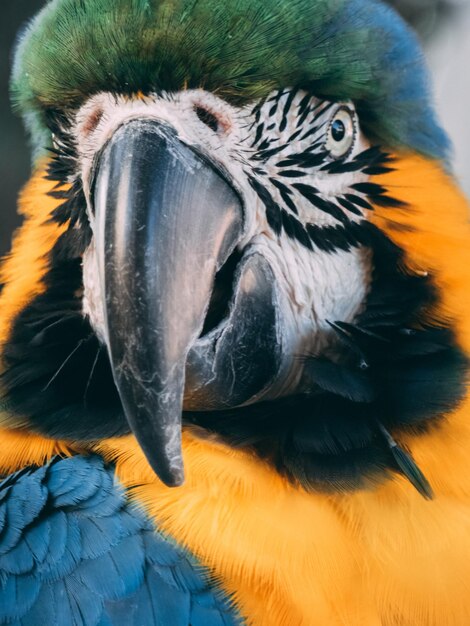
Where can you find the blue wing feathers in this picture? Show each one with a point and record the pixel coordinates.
(208, 617)
(75, 552)
(17, 595)
(43, 609)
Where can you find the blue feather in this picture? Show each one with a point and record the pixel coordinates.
(85, 613)
(44, 610)
(17, 595)
(203, 616)
(172, 607)
(99, 534)
(74, 551)
(29, 499)
(57, 543)
(55, 569)
(117, 573)
(37, 538)
(71, 482)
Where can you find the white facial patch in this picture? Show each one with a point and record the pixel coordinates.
(275, 153)
(92, 302)
(320, 288)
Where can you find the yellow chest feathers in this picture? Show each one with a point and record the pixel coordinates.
(386, 557)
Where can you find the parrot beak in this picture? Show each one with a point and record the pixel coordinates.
(191, 322)
(165, 222)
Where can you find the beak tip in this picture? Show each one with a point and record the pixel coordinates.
(179, 482)
(175, 479)
(170, 473)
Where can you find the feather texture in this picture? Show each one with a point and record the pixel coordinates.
(74, 551)
(241, 50)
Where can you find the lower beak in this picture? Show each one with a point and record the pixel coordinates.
(166, 221)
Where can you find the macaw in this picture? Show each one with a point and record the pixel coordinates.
(234, 324)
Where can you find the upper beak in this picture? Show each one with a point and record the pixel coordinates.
(166, 220)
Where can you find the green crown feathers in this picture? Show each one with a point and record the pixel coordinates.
(238, 49)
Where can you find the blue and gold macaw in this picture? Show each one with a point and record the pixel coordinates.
(235, 323)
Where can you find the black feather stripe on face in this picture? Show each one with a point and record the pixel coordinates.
(62, 169)
(293, 187)
(57, 374)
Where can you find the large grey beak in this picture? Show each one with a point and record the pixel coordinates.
(165, 222)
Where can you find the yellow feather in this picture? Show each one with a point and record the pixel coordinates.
(384, 557)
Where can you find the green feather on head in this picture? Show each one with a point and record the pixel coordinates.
(240, 49)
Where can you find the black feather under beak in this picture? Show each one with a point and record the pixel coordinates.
(165, 222)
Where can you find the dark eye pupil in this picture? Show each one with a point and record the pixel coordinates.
(338, 130)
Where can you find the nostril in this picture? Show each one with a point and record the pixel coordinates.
(207, 118)
(92, 121)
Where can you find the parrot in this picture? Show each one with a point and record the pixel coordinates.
(234, 323)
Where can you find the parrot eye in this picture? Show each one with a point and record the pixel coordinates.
(341, 133)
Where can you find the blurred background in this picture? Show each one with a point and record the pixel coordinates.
(443, 26)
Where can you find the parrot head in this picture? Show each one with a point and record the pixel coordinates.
(212, 174)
